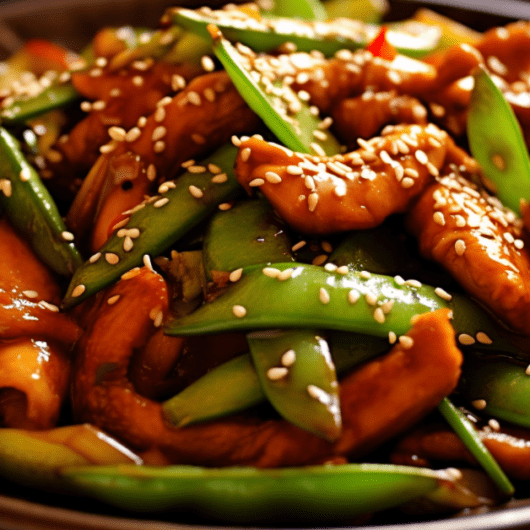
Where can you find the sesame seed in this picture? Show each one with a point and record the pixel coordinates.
(411, 172)
(239, 311)
(460, 247)
(188, 163)
(256, 183)
(209, 94)
(30, 294)
(353, 296)
(113, 299)
(407, 182)
(271, 272)
(465, 339)
(146, 259)
(483, 338)
(318, 393)
(194, 98)
(78, 290)
(499, 162)
(117, 133)
(276, 373)
(294, 170)
(387, 306)
(460, 221)
(131, 273)
(236, 141)
(421, 157)
(207, 63)
(235, 275)
(158, 133)
(94, 257)
(365, 275)
(379, 315)
(25, 174)
(312, 201)
(224, 206)
(197, 169)
(494, 424)
(365, 145)
(220, 178)
(298, 246)
(285, 274)
(245, 154)
(195, 191)
(133, 134)
(399, 280)
(479, 404)
(317, 149)
(128, 244)
(160, 202)
(323, 296)
(519, 244)
(67, 236)
(326, 246)
(371, 299)
(5, 186)
(50, 307)
(392, 337)
(438, 218)
(343, 269)
(320, 259)
(273, 177)
(159, 319)
(330, 267)
(159, 146)
(443, 294)
(406, 342)
(413, 283)
(177, 82)
(107, 148)
(288, 358)
(112, 258)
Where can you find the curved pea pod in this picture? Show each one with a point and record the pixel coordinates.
(266, 34)
(503, 384)
(32, 210)
(247, 234)
(231, 387)
(302, 296)
(497, 143)
(234, 385)
(469, 436)
(314, 494)
(294, 129)
(158, 223)
(33, 458)
(300, 382)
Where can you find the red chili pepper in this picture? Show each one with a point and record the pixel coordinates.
(47, 55)
(380, 47)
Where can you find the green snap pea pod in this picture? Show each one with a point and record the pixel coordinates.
(503, 384)
(294, 128)
(298, 377)
(53, 97)
(269, 33)
(496, 141)
(305, 9)
(157, 225)
(31, 209)
(244, 495)
(247, 234)
(466, 432)
(234, 385)
(297, 295)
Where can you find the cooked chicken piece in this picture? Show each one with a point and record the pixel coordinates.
(479, 243)
(321, 195)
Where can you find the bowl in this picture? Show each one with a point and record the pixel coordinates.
(72, 23)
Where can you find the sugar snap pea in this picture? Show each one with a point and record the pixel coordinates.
(312, 494)
(268, 33)
(294, 128)
(466, 432)
(31, 209)
(155, 226)
(300, 295)
(496, 141)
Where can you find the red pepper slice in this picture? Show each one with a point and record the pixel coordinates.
(380, 47)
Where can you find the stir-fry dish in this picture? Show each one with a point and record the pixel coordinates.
(268, 265)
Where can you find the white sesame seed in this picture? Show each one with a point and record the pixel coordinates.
(235, 275)
(194, 98)
(277, 372)
(294, 170)
(94, 257)
(312, 201)
(195, 191)
(133, 134)
(285, 274)
(479, 404)
(330, 267)
(438, 218)
(465, 339)
(406, 342)
(50, 307)
(5, 186)
(273, 177)
(113, 299)
(323, 296)
(365, 275)
(128, 244)
(413, 283)
(224, 206)
(421, 157)
(318, 393)
(207, 63)
(371, 299)
(407, 182)
(353, 296)
(146, 259)
(379, 315)
(239, 311)
(245, 154)
(158, 133)
(78, 290)
(494, 424)
(392, 337)
(160, 202)
(112, 258)
(159, 319)
(343, 269)
(298, 246)
(460, 247)
(30, 294)
(220, 178)
(117, 133)
(25, 174)
(177, 82)
(320, 259)
(256, 183)
(159, 146)
(443, 294)
(236, 141)
(271, 272)
(67, 236)
(288, 358)
(399, 280)
(483, 338)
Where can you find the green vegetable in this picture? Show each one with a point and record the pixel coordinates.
(466, 432)
(247, 234)
(496, 141)
(159, 227)
(293, 128)
(270, 33)
(503, 384)
(248, 495)
(370, 11)
(298, 377)
(304, 9)
(31, 209)
(297, 297)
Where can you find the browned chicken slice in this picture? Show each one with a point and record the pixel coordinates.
(103, 394)
(321, 195)
(197, 120)
(510, 446)
(480, 244)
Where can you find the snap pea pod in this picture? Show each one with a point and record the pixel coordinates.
(466, 432)
(305, 9)
(314, 494)
(269, 33)
(31, 209)
(241, 389)
(158, 226)
(294, 129)
(247, 234)
(496, 141)
(503, 384)
(299, 295)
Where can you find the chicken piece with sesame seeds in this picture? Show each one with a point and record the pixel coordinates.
(479, 243)
(322, 195)
(198, 119)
